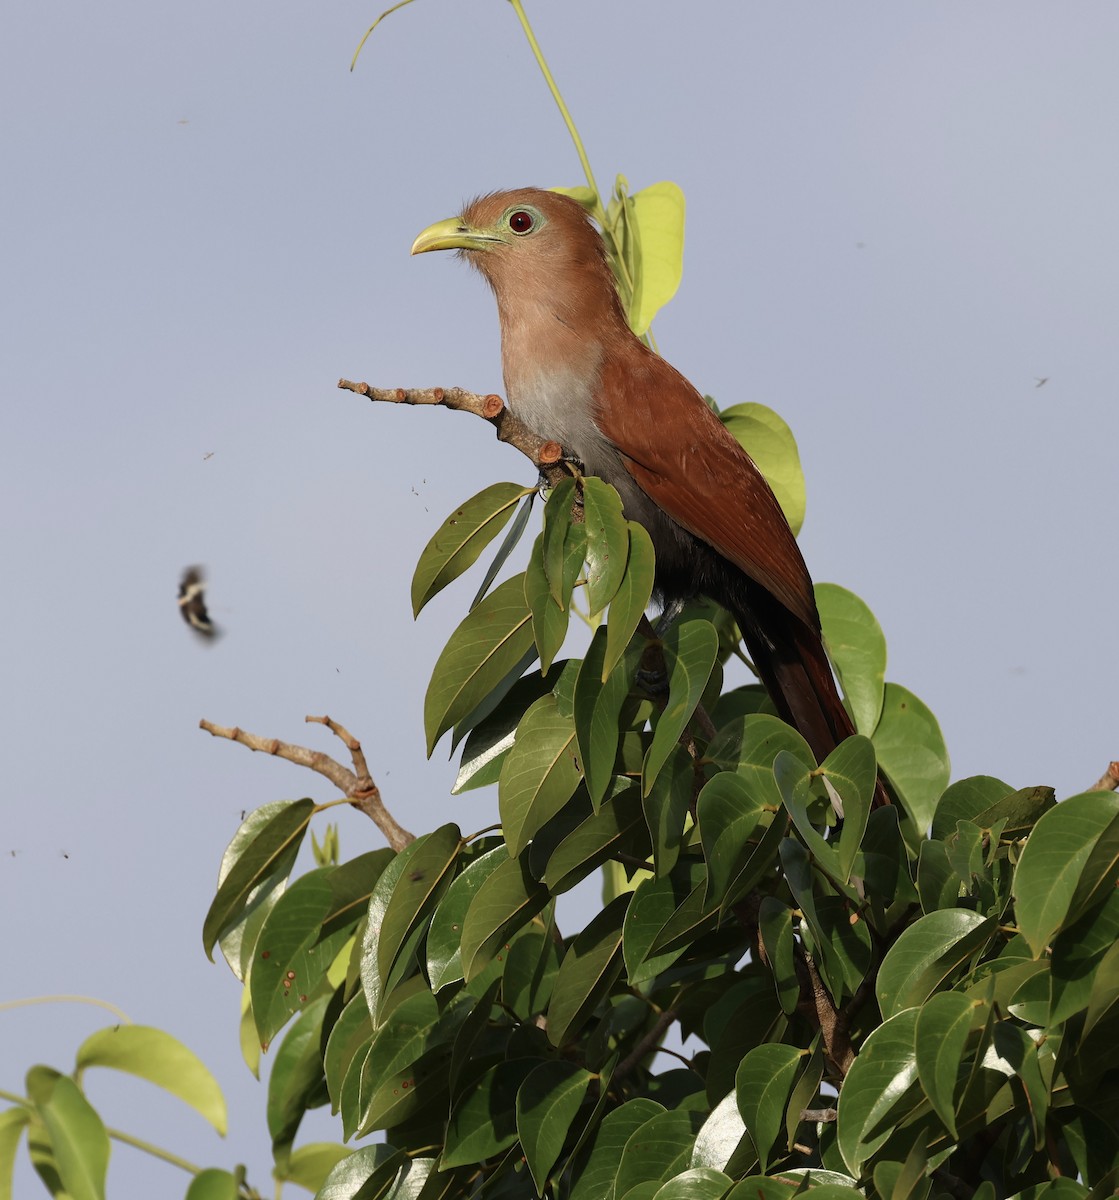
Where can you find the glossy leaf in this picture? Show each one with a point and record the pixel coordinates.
(444, 939)
(431, 864)
(490, 740)
(856, 646)
(851, 769)
(728, 814)
(270, 853)
(560, 538)
(927, 954)
(547, 1104)
(599, 1164)
(631, 598)
(540, 773)
(484, 1121)
(769, 441)
(943, 1026)
(690, 649)
(666, 807)
(505, 902)
(762, 1085)
(879, 1090)
(293, 952)
(549, 620)
(1071, 854)
(161, 1059)
(598, 707)
(364, 1173)
(462, 537)
(911, 750)
(656, 1151)
(607, 542)
(485, 647)
(588, 969)
(696, 1183)
(721, 1136)
(295, 1079)
(594, 839)
(508, 544)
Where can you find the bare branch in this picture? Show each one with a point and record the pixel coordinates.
(1108, 781)
(545, 455)
(650, 1041)
(356, 785)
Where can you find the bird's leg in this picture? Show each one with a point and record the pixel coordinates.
(670, 614)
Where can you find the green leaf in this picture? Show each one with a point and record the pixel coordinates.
(912, 753)
(309, 1165)
(540, 773)
(595, 839)
(491, 738)
(728, 813)
(690, 650)
(879, 1090)
(607, 542)
(964, 800)
(296, 1077)
(653, 904)
(943, 1025)
(547, 1103)
(657, 1150)
(549, 620)
(392, 1081)
(484, 1121)
(631, 598)
(348, 1040)
(505, 902)
(431, 864)
(770, 443)
(851, 769)
(775, 924)
(294, 950)
(666, 807)
(486, 646)
(598, 707)
(562, 541)
(656, 216)
(927, 954)
(795, 781)
(78, 1141)
(762, 1085)
(587, 972)
(213, 1184)
(1070, 856)
(594, 1175)
(749, 745)
(444, 951)
(721, 1137)
(12, 1124)
(268, 855)
(362, 1175)
(697, 1183)
(856, 646)
(161, 1059)
(509, 543)
(461, 538)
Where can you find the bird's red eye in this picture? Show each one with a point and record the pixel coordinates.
(521, 221)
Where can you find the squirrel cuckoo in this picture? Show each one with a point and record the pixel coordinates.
(576, 374)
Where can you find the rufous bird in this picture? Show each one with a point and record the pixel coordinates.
(576, 374)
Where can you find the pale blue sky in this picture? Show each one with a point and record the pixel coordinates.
(900, 216)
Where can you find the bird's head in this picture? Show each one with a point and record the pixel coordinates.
(530, 243)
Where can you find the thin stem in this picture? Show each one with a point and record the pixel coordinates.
(155, 1151)
(541, 62)
(119, 1013)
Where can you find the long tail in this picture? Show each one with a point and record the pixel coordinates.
(793, 666)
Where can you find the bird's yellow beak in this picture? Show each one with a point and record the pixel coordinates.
(453, 234)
